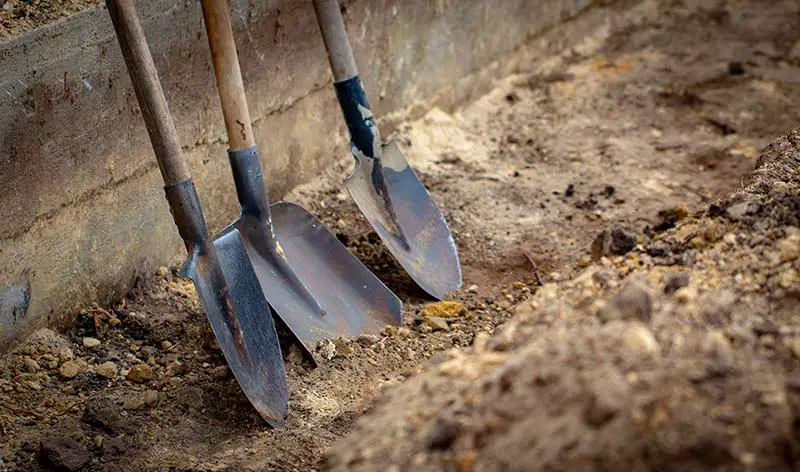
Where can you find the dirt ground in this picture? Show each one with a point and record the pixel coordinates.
(19, 16)
(630, 285)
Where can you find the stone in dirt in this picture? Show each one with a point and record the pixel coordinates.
(107, 370)
(616, 241)
(326, 349)
(137, 402)
(640, 340)
(69, 370)
(443, 433)
(63, 454)
(446, 309)
(140, 373)
(676, 281)
(632, 303)
(31, 365)
(438, 324)
(220, 372)
(366, 340)
(104, 413)
(789, 248)
(91, 342)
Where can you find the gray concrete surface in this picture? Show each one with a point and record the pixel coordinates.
(83, 212)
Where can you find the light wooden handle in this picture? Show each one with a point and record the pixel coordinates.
(142, 70)
(228, 74)
(334, 34)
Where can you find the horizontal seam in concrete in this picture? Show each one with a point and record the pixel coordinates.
(286, 106)
(86, 196)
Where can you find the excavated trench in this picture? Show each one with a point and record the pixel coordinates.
(629, 301)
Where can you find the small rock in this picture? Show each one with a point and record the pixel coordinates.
(49, 360)
(773, 398)
(436, 323)
(789, 248)
(632, 303)
(177, 368)
(403, 332)
(638, 339)
(107, 370)
(686, 295)
(162, 272)
(61, 453)
(443, 433)
(388, 330)
(69, 369)
(326, 349)
(220, 372)
(788, 278)
(91, 342)
(676, 281)
(614, 242)
(446, 309)
(103, 413)
(472, 288)
(366, 340)
(140, 373)
(65, 354)
(166, 345)
(137, 402)
(730, 239)
(343, 347)
(31, 365)
(738, 211)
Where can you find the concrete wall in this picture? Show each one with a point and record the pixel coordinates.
(82, 209)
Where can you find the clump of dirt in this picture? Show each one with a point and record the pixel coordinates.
(19, 16)
(621, 306)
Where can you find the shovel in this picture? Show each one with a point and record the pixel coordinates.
(383, 185)
(316, 286)
(228, 288)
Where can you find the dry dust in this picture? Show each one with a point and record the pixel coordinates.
(19, 16)
(627, 305)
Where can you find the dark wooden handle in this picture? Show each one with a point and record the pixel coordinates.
(228, 73)
(334, 34)
(144, 76)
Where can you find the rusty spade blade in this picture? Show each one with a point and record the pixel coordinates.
(383, 185)
(225, 281)
(316, 286)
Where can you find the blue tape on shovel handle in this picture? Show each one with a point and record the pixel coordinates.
(360, 121)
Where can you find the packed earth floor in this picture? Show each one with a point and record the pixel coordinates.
(627, 212)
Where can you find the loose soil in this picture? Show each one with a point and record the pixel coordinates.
(19, 16)
(630, 285)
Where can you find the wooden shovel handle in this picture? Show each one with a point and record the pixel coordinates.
(334, 34)
(228, 74)
(142, 70)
